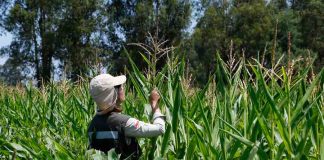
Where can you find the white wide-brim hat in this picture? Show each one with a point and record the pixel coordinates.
(103, 92)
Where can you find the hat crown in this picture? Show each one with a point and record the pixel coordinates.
(100, 84)
(102, 89)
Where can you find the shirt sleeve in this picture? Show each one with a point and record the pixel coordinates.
(136, 128)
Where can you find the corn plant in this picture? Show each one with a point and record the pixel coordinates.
(244, 111)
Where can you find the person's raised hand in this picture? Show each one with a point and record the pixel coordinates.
(121, 94)
(154, 98)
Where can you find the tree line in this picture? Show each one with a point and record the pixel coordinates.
(71, 38)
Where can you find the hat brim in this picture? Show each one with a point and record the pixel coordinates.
(119, 80)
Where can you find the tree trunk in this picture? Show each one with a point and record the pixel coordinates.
(77, 62)
(46, 47)
(46, 62)
(37, 76)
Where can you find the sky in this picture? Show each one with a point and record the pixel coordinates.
(5, 40)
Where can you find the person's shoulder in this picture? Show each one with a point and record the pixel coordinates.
(119, 115)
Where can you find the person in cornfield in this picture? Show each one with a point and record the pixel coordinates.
(110, 128)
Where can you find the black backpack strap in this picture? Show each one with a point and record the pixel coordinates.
(103, 134)
(113, 122)
(127, 146)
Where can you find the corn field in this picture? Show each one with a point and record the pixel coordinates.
(245, 111)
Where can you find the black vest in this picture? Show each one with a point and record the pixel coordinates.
(113, 121)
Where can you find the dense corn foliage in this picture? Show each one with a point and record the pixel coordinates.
(245, 111)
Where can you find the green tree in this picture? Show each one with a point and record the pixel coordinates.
(33, 24)
(77, 32)
(4, 5)
(68, 31)
(287, 23)
(312, 28)
(16, 68)
(253, 26)
(279, 4)
(209, 36)
(134, 20)
(248, 24)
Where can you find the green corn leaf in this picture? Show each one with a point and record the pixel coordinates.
(145, 59)
(302, 101)
(239, 138)
(322, 149)
(175, 112)
(165, 141)
(254, 151)
(281, 123)
(191, 147)
(229, 125)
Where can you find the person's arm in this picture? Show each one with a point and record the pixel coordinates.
(136, 128)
